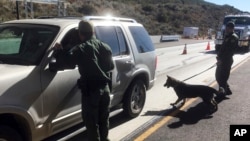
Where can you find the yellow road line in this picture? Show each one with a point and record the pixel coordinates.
(166, 119)
(163, 121)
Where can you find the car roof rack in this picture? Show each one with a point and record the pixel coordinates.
(109, 18)
(58, 17)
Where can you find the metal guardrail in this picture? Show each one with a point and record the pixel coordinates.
(165, 38)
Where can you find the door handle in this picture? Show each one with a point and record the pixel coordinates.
(130, 62)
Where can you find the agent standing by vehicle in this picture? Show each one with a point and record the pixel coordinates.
(225, 59)
(94, 61)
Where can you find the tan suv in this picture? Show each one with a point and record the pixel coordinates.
(36, 103)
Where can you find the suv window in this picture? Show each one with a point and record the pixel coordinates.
(142, 40)
(24, 44)
(71, 39)
(115, 39)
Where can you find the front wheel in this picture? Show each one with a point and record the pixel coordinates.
(7, 133)
(134, 99)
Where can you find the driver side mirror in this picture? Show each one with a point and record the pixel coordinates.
(53, 66)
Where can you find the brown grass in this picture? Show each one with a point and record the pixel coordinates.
(158, 16)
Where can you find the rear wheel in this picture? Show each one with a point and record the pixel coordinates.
(8, 133)
(134, 99)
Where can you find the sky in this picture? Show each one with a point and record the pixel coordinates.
(242, 5)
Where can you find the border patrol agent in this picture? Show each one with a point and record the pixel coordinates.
(94, 60)
(225, 59)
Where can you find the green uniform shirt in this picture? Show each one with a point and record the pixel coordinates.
(93, 58)
(228, 48)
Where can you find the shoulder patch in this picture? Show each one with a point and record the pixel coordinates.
(235, 35)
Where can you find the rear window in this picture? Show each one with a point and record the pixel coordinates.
(142, 39)
(114, 37)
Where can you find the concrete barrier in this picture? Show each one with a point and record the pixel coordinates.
(165, 38)
(155, 38)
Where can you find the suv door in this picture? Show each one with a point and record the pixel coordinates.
(122, 56)
(61, 96)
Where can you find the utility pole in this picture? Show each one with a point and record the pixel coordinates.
(61, 8)
(17, 10)
(28, 8)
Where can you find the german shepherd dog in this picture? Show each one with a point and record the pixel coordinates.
(185, 91)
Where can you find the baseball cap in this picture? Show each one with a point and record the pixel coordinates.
(230, 24)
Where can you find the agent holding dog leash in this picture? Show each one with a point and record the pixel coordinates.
(225, 59)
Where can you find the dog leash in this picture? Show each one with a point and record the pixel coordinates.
(200, 72)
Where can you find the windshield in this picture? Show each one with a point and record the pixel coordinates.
(237, 20)
(24, 44)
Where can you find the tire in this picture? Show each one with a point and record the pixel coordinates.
(134, 99)
(9, 134)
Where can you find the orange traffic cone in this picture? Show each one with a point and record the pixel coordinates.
(185, 49)
(208, 46)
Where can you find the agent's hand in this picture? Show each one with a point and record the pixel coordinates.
(57, 46)
(218, 62)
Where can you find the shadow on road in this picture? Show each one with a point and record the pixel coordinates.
(209, 52)
(194, 114)
(159, 113)
(118, 120)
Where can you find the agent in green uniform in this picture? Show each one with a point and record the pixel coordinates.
(225, 59)
(94, 61)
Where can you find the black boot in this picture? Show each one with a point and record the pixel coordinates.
(221, 92)
(228, 91)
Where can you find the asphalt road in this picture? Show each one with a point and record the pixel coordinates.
(193, 123)
(118, 121)
(181, 42)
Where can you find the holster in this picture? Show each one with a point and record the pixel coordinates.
(83, 86)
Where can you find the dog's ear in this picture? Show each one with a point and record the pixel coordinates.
(169, 77)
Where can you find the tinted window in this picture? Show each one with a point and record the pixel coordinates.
(122, 41)
(71, 39)
(142, 39)
(114, 37)
(24, 44)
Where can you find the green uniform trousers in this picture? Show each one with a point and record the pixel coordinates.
(222, 74)
(95, 112)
